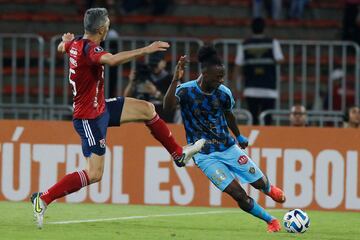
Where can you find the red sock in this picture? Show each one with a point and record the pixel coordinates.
(72, 182)
(162, 133)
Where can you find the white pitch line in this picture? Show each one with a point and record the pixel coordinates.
(141, 217)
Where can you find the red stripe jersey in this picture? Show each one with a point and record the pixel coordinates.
(86, 75)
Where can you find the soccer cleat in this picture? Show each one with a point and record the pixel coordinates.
(189, 151)
(39, 208)
(277, 194)
(274, 226)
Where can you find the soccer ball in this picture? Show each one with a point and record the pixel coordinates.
(296, 221)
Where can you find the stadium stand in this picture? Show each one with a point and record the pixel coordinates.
(205, 20)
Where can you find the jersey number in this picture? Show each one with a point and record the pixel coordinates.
(72, 71)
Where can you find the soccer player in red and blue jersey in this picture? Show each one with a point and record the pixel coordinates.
(93, 114)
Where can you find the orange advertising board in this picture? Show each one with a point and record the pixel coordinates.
(318, 168)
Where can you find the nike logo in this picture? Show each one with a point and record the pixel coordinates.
(38, 209)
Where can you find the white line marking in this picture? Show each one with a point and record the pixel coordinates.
(142, 217)
(16, 135)
(155, 216)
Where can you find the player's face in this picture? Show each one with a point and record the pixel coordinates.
(104, 29)
(298, 116)
(214, 76)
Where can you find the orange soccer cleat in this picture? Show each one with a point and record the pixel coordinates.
(277, 194)
(274, 226)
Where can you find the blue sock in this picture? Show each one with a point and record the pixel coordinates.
(259, 212)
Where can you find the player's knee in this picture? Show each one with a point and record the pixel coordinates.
(149, 110)
(95, 176)
(240, 196)
(244, 202)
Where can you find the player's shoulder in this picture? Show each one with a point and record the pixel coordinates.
(188, 84)
(95, 48)
(225, 89)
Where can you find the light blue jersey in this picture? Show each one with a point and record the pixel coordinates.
(203, 115)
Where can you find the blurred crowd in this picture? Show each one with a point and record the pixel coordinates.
(149, 80)
(272, 9)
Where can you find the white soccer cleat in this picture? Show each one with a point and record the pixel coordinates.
(189, 151)
(39, 208)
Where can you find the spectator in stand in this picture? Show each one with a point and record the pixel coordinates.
(256, 61)
(273, 8)
(352, 117)
(351, 30)
(156, 7)
(140, 85)
(339, 96)
(150, 83)
(298, 116)
(83, 5)
(161, 78)
(297, 8)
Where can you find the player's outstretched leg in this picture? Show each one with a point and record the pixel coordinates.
(272, 191)
(247, 204)
(139, 110)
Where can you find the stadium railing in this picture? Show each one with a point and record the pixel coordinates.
(34, 111)
(25, 70)
(314, 118)
(243, 116)
(307, 76)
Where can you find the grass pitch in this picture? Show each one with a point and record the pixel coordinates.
(100, 221)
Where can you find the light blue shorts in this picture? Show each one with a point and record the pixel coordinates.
(223, 167)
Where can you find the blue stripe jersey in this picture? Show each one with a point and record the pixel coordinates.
(203, 115)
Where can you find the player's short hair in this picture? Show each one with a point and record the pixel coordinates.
(258, 25)
(95, 18)
(208, 57)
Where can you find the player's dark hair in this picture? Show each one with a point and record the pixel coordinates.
(208, 57)
(258, 25)
(94, 18)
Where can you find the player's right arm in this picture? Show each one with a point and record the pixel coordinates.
(66, 38)
(231, 122)
(126, 56)
(169, 101)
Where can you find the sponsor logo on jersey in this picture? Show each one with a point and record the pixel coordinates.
(243, 159)
(73, 61)
(98, 49)
(73, 51)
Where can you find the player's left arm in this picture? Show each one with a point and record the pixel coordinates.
(169, 100)
(231, 122)
(66, 38)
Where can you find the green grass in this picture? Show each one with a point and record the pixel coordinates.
(17, 223)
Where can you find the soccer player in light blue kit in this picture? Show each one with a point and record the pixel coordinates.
(206, 109)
